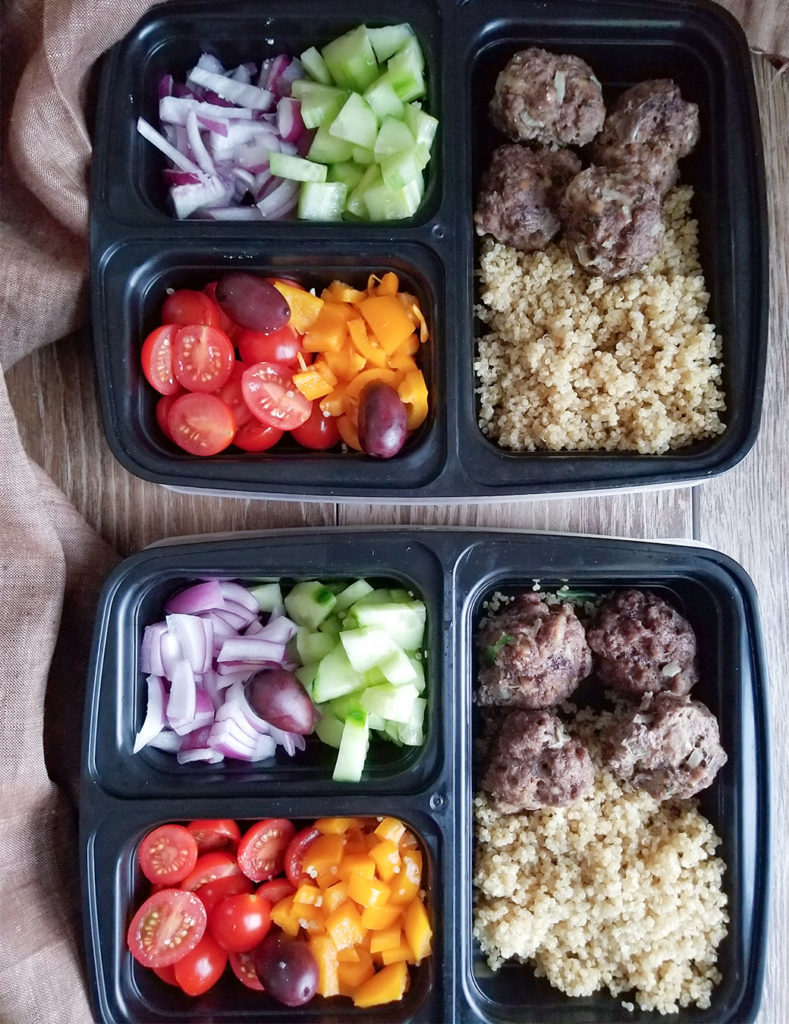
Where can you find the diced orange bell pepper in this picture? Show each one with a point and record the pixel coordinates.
(387, 858)
(418, 932)
(402, 362)
(338, 291)
(386, 986)
(325, 953)
(312, 384)
(356, 386)
(408, 841)
(406, 883)
(344, 925)
(308, 893)
(349, 955)
(386, 938)
(304, 306)
(323, 853)
(413, 394)
(338, 826)
(348, 432)
(329, 329)
(395, 954)
(390, 828)
(352, 974)
(309, 917)
(354, 841)
(376, 918)
(386, 285)
(356, 863)
(387, 319)
(332, 404)
(334, 896)
(368, 892)
(345, 363)
(283, 916)
(373, 354)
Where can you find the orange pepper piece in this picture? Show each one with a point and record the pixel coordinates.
(337, 825)
(376, 918)
(324, 853)
(338, 291)
(328, 330)
(386, 938)
(386, 986)
(352, 974)
(332, 404)
(418, 932)
(387, 319)
(413, 394)
(390, 828)
(356, 863)
(406, 883)
(282, 915)
(366, 346)
(309, 917)
(312, 384)
(334, 896)
(348, 432)
(366, 891)
(304, 306)
(396, 954)
(349, 955)
(386, 857)
(344, 925)
(354, 388)
(308, 893)
(325, 953)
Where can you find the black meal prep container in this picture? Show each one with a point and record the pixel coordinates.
(138, 249)
(455, 572)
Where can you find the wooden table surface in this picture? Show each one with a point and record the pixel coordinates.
(744, 513)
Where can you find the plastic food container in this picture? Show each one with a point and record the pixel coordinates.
(138, 249)
(431, 789)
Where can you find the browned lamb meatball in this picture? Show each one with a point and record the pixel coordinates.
(647, 130)
(668, 745)
(553, 99)
(533, 763)
(612, 222)
(520, 193)
(533, 656)
(643, 645)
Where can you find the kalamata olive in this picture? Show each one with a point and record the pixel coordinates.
(277, 696)
(286, 968)
(382, 420)
(252, 302)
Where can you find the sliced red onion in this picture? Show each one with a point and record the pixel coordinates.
(291, 741)
(239, 595)
(289, 122)
(171, 653)
(187, 199)
(166, 740)
(166, 83)
(151, 134)
(173, 177)
(209, 62)
(174, 110)
(154, 715)
(202, 597)
(151, 649)
(278, 629)
(200, 153)
(182, 704)
(196, 637)
(250, 649)
(237, 92)
(243, 73)
(282, 198)
(235, 213)
(214, 125)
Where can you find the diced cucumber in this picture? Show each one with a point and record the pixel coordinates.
(333, 625)
(328, 149)
(319, 103)
(363, 156)
(329, 729)
(335, 676)
(268, 596)
(385, 203)
(366, 646)
(315, 66)
(353, 748)
(404, 622)
(356, 122)
(351, 59)
(348, 172)
(412, 732)
(388, 39)
(309, 602)
(383, 100)
(296, 168)
(352, 593)
(400, 169)
(306, 675)
(340, 706)
(374, 676)
(394, 136)
(380, 595)
(423, 125)
(405, 71)
(322, 200)
(356, 202)
(419, 673)
(397, 668)
(392, 732)
(394, 703)
(312, 645)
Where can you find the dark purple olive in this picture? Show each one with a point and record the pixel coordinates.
(286, 968)
(277, 696)
(382, 420)
(252, 302)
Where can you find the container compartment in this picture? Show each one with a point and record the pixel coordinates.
(132, 280)
(135, 596)
(124, 991)
(128, 182)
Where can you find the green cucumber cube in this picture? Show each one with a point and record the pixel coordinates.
(365, 646)
(405, 71)
(335, 676)
(403, 621)
(322, 200)
(328, 149)
(268, 596)
(353, 592)
(388, 39)
(385, 203)
(419, 673)
(353, 748)
(423, 125)
(319, 103)
(412, 733)
(306, 675)
(350, 59)
(329, 730)
(383, 100)
(315, 66)
(309, 602)
(331, 625)
(340, 706)
(312, 645)
(356, 122)
(296, 168)
(397, 668)
(363, 156)
(394, 136)
(348, 172)
(394, 703)
(356, 203)
(400, 169)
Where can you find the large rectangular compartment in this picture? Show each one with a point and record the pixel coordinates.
(455, 571)
(137, 248)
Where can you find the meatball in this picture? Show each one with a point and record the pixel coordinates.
(612, 222)
(647, 130)
(520, 195)
(668, 745)
(534, 763)
(533, 656)
(550, 98)
(642, 645)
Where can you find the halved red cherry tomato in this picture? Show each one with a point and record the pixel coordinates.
(203, 357)
(241, 922)
(201, 424)
(186, 306)
(209, 867)
(166, 974)
(167, 926)
(281, 346)
(200, 969)
(319, 432)
(157, 359)
(295, 853)
(256, 436)
(163, 407)
(261, 851)
(214, 833)
(167, 854)
(243, 966)
(231, 395)
(275, 889)
(214, 892)
(272, 398)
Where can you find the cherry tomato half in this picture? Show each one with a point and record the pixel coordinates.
(167, 926)
(214, 833)
(157, 359)
(166, 974)
(243, 966)
(209, 867)
(295, 853)
(241, 922)
(200, 969)
(261, 852)
(203, 357)
(319, 432)
(201, 424)
(167, 854)
(231, 395)
(211, 893)
(275, 889)
(272, 398)
(163, 407)
(256, 436)
(186, 306)
(281, 346)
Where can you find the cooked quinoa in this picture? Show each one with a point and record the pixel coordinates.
(571, 363)
(616, 891)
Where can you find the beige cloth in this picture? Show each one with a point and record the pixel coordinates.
(51, 562)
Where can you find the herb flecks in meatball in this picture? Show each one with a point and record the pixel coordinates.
(532, 655)
(612, 222)
(520, 192)
(534, 762)
(668, 745)
(642, 645)
(553, 99)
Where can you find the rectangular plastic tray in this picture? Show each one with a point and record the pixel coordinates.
(138, 249)
(123, 795)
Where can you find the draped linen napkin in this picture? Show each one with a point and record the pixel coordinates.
(51, 562)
